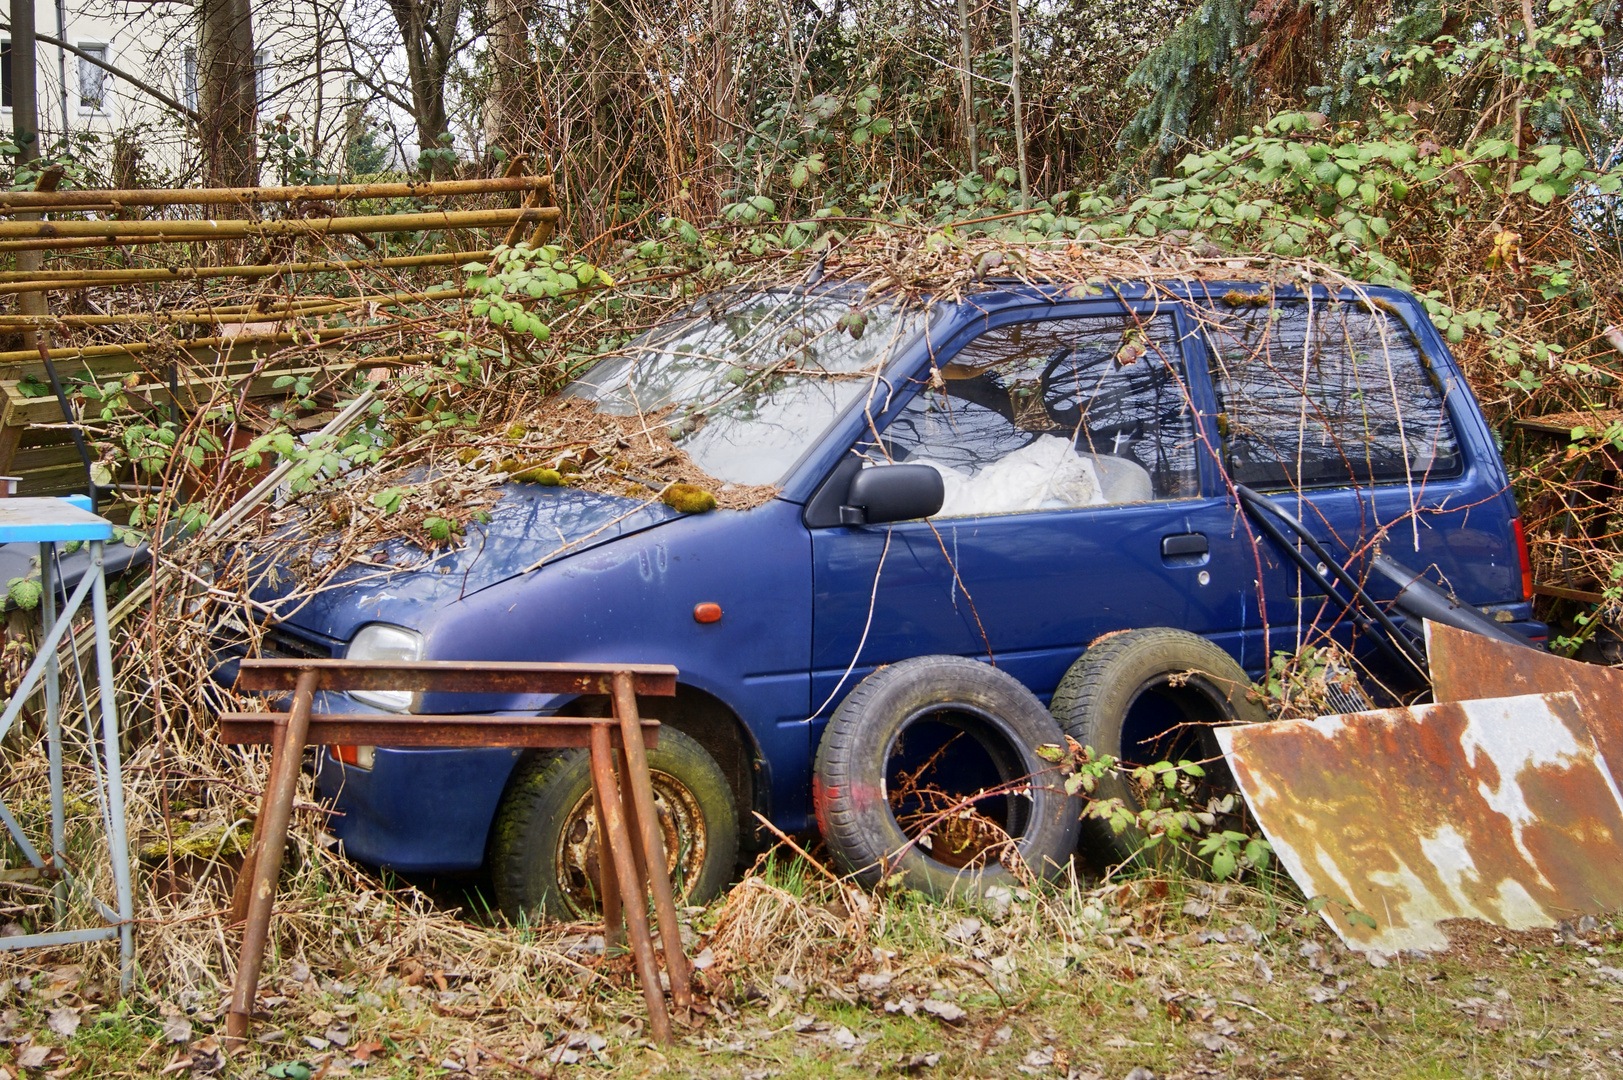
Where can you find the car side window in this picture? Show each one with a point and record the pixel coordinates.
(1055, 413)
(1326, 394)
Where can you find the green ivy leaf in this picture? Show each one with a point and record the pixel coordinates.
(24, 592)
(1541, 194)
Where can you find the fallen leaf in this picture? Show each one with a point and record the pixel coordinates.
(320, 1018)
(64, 1021)
(947, 1011)
(1040, 1058)
(365, 1050)
(177, 1029)
(917, 1063)
(33, 1056)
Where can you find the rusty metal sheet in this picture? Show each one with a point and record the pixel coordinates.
(1465, 667)
(1496, 809)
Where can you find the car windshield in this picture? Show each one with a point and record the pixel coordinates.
(746, 383)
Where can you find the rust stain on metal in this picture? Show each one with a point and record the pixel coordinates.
(1495, 809)
(1465, 667)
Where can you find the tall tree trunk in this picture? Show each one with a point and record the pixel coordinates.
(25, 135)
(428, 34)
(722, 97)
(226, 96)
(969, 89)
(1019, 114)
(597, 56)
(509, 113)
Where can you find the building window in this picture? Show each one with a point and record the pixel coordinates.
(188, 78)
(92, 79)
(264, 74)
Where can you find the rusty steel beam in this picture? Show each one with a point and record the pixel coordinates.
(1465, 667)
(114, 198)
(189, 229)
(342, 729)
(1499, 810)
(457, 676)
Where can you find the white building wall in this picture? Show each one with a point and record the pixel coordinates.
(292, 39)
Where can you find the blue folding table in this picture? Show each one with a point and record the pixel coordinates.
(49, 522)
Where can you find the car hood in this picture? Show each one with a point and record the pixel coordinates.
(530, 523)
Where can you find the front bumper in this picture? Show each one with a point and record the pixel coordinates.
(416, 811)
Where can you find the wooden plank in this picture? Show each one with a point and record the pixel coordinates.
(1561, 593)
(44, 436)
(10, 438)
(37, 458)
(193, 394)
(62, 480)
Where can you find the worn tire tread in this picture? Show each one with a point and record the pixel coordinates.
(535, 784)
(855, 834)
(1080, 704)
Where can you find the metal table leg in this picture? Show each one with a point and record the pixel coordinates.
(641, 790)
(633, 895)
(277, 809)
(53, 731)
(118, 842)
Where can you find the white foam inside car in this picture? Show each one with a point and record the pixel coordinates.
(1046, 474)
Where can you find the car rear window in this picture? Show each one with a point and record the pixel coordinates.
(1325, 393)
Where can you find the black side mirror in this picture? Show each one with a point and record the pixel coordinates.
(892, 493)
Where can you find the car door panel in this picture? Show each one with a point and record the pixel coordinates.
(1027, 590)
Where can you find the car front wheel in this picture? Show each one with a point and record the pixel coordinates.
(544, 846)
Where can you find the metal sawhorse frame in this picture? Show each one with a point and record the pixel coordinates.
(49, 522)
(632, 854)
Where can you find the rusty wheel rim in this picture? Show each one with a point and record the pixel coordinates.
(682, 832)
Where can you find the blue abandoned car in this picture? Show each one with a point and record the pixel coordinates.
(990, 523)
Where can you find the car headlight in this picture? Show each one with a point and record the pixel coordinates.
(380, 641)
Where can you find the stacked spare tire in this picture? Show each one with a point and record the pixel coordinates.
(929, 775)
